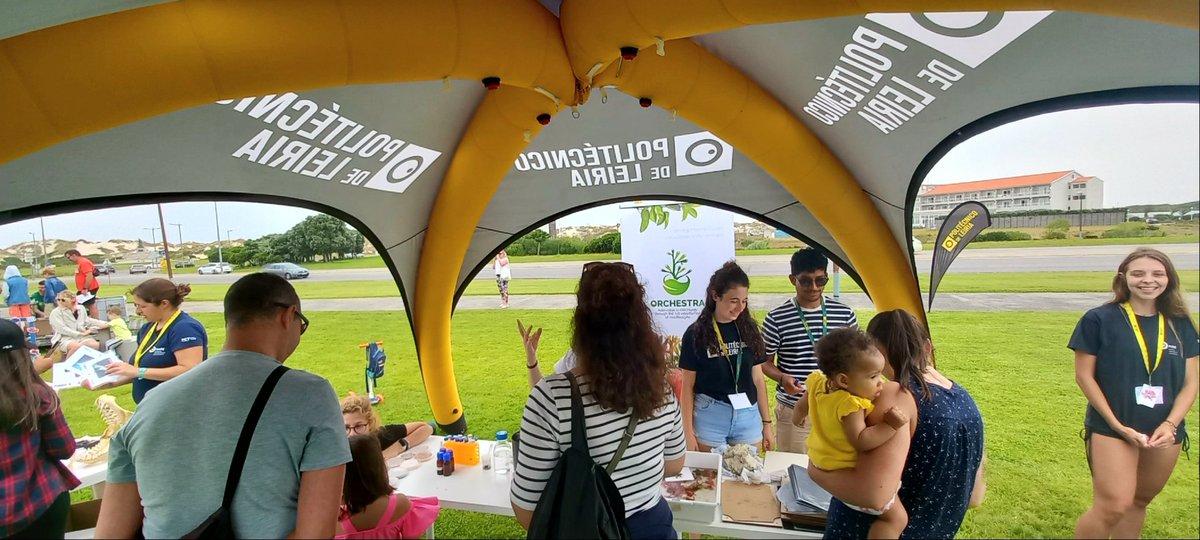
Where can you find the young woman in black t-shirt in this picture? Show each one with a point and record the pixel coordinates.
(394, 439)
(724, 392)
(1136, 362)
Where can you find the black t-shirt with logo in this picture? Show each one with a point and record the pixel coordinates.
(1106, 333)
(714, 372)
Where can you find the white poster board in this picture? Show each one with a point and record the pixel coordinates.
(675, 248)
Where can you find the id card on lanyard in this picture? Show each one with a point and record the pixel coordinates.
(739, 400)
(148, 344)
(1148, 395)
(804, 319)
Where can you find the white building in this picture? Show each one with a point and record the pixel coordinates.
(1062, 190)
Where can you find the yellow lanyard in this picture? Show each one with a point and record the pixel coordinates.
(147, 344)
(737, 372)
(1137, 332)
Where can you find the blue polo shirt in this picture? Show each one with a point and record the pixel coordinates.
(185, 333)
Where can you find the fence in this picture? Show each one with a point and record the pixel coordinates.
(1112, 217)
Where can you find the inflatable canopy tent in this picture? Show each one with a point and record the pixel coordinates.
(443, 129)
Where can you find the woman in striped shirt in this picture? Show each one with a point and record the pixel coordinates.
(621, 372)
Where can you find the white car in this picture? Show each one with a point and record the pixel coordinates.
(210, 268)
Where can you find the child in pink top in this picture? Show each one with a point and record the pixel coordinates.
(370, 508)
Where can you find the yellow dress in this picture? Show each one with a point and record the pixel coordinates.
(828, 446)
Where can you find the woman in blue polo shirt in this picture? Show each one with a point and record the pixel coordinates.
(1136, 362)
(170, 343)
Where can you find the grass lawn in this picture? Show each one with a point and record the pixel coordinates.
(1014, 364)
(1003, 282)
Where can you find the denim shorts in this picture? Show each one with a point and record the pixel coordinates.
(717, 423)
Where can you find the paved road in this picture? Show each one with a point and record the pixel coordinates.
(1068, 302)
(1035, 259)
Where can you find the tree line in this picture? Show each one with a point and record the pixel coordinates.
(319, 236)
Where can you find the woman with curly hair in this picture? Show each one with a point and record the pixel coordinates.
(724, 393)
(621, 378)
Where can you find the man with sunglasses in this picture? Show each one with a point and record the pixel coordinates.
(167, 467)
(791, 331)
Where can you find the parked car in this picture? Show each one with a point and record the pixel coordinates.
(210, 268)
(226, 268)
(286, 270)
(105, 269)
(185, 263)
(139, 268)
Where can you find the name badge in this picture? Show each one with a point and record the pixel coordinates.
(740, 400)
(1148, 396)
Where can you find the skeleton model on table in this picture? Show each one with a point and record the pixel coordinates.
(114, 417)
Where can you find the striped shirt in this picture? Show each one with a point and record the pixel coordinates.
(546, 433)
(786, 338)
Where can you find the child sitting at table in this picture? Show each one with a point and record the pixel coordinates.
(370, 507)
(395, 439)
(840, 396)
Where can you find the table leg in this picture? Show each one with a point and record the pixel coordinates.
(429, 532)
(98, 490)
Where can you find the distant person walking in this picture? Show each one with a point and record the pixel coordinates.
(85, 280)
(503, 276)
(16, 292)
(1136, 363)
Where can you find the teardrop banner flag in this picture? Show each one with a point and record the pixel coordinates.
(961, 226)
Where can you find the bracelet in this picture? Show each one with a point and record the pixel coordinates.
(767, 422)
(142, 373)
(534, 366)
(1170, 423)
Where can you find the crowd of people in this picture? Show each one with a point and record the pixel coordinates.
(899, 445)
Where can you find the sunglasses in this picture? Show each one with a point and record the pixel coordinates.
(598, 264)
(303, 319)
(809, 282)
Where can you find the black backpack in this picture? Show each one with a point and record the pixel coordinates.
(580, 499)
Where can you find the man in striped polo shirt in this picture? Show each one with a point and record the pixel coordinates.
(790, 332)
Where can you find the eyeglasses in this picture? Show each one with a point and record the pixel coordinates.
(303, 319)
(358, 428)
(597, 264)
(809, 282)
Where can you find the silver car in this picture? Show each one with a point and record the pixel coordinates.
(286, 270)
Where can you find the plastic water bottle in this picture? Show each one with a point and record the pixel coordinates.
(502, 454)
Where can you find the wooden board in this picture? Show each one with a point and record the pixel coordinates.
(750, 503)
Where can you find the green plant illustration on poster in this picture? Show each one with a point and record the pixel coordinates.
(660, 214)
(677, 280)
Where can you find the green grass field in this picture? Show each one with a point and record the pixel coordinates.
(1016, 366)
(1003, 282)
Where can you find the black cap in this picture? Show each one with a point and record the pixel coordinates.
(11, 336)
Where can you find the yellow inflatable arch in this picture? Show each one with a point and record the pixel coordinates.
(374, 110)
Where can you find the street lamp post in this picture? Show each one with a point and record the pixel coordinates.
(153, 242)
(35, 266)
(220, 257)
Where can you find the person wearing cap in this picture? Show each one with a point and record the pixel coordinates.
(35, 487)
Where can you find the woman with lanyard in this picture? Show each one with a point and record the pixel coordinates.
(170, 343)
(1136, 362)
(724, 394)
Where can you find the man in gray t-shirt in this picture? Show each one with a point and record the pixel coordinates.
(172, 459)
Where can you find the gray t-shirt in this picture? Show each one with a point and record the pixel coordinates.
(179, 444)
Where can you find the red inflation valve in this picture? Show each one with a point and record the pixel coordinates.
(543, 119)
(628, 53)
(645, 102)
(491, 83)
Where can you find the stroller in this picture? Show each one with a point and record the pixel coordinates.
(376, 360)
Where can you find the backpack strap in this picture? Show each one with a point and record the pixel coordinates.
(633, 422)
(243, 444)
(578, 425)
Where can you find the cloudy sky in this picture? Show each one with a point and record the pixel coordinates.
(1144, 154)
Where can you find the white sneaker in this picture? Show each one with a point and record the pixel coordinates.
(503, 306)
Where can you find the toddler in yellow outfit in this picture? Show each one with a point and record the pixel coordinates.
(838, 398)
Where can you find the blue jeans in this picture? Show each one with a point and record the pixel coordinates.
(717, 423)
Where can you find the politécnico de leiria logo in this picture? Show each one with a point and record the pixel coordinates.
(677, 278)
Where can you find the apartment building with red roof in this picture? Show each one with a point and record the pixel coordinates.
(1060, 190)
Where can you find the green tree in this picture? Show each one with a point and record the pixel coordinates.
(606, 243)
(537, 237)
